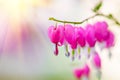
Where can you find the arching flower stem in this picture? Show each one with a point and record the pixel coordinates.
(109, 16)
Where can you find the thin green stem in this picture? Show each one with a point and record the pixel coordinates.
(97, 14)
(61, 21)
(111, 17)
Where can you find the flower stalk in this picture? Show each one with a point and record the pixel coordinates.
(109, 16)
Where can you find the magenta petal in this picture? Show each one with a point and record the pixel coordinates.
(97, 60)
(101, 31)
(86, 70)
(69, 33)
(78, 73)
(61, 40)
(54, 34)
(110, 40)
(74, 43)
(70, 36)
(80, 35)
(90, 35)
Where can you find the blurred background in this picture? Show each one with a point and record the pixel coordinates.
(26, 52)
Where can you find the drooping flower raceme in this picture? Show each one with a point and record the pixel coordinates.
(74, 36)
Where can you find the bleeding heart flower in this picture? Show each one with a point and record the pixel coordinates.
(56, 35)
(101, 31)
(110, 40)
(97, 60)
(70, 36)
(82, 72)
(80, 35)
(78, 73)
(90, 35)
(86, 70)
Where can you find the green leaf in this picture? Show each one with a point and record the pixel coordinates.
(97, 7)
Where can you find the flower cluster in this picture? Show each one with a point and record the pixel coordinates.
(76, 39)
(84, 72)
(80, 37)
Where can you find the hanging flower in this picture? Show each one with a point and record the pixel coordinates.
(80, 35)
(110, 40)
(86, 70)
(90, 35)
(70, 36)
(97, 60)
(56, 35)
(101, 31)
(79, 73)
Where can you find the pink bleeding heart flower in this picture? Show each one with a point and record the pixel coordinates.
(70, 36)
(97, 60)
(101, 31)
(56, 35)
(90, 35)
(81, 72)
(78, 73)
(86, 70)
(80, 35)
(110, 40)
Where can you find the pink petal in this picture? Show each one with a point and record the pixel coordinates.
(90, 35)
(80, 35)
(110, 40)
(70, 36)
(86, 70)
(69, 33)
(97, 60)
(101, 31)
(54, 34)
(78, 73)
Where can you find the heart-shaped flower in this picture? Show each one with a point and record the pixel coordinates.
(97, 60)
(70, 36)
(86, 70)
(82, 72)
(80, 35)
(90, 35)
(56, 35)
(110, 40)
(78, 73)
(101, 31)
